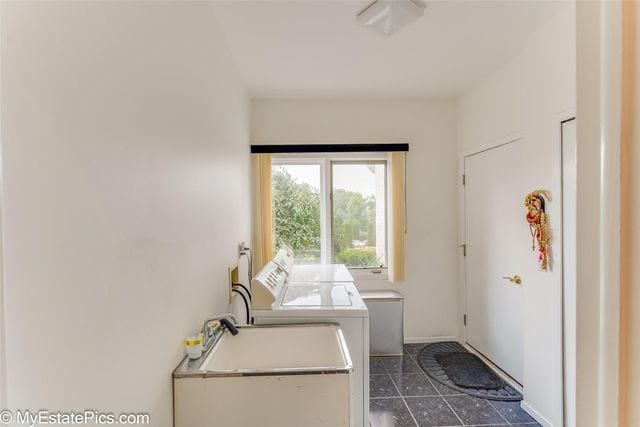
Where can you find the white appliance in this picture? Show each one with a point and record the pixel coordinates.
(324, 273)
(311, 273)
(277, 300)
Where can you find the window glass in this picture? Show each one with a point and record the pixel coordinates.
(296, 210)
(359, 214)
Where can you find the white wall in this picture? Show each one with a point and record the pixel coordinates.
(526, 96)
(125, 134)
(429, 127)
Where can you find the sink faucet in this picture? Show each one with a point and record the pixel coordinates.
(228, 321)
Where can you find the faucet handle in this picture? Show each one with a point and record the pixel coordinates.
(227, 323)
(216, 327)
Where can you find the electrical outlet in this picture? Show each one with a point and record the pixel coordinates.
(242, 248)
(234, 277)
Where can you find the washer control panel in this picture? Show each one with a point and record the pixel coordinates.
(284, 260)
(266, 286)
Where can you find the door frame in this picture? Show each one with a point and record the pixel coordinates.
(557, 121)
(569, 326)
(601, 49)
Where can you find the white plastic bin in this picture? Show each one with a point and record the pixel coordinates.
(386, 335)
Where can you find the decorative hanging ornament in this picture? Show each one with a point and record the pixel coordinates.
(537, 219)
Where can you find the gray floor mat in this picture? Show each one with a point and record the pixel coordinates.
(429, 364)
(468, 370)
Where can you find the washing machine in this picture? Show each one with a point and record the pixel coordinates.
(276, 300)
(311, 273)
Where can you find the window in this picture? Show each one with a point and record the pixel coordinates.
(331, 210)
(296, 208)
(358, 209)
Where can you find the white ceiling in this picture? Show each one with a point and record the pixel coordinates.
(308, 48)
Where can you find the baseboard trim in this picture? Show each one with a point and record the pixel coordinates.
(428, 340)
(535, 414)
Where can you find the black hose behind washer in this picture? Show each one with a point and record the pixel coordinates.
(233, 329)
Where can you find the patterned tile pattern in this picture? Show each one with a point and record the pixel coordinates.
(404, 396)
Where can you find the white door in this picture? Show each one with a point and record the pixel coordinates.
(496, 239)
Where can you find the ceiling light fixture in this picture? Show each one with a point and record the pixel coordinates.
(389, 16)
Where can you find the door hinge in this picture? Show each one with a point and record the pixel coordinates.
(464, 320)
(464, 179)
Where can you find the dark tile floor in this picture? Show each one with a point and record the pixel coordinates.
(404, 396)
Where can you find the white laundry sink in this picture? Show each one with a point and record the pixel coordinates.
(268, 375)
(274, 348)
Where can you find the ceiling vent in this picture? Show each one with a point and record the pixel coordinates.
(389, 16)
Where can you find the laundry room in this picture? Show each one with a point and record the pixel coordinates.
(362, 213)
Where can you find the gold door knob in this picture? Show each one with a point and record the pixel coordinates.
(515, 279)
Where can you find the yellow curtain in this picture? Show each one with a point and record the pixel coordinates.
(397, 215)
(262, 214)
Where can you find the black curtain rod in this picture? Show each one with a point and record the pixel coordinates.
(327, 148)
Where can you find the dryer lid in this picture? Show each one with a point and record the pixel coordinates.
(321, 295)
